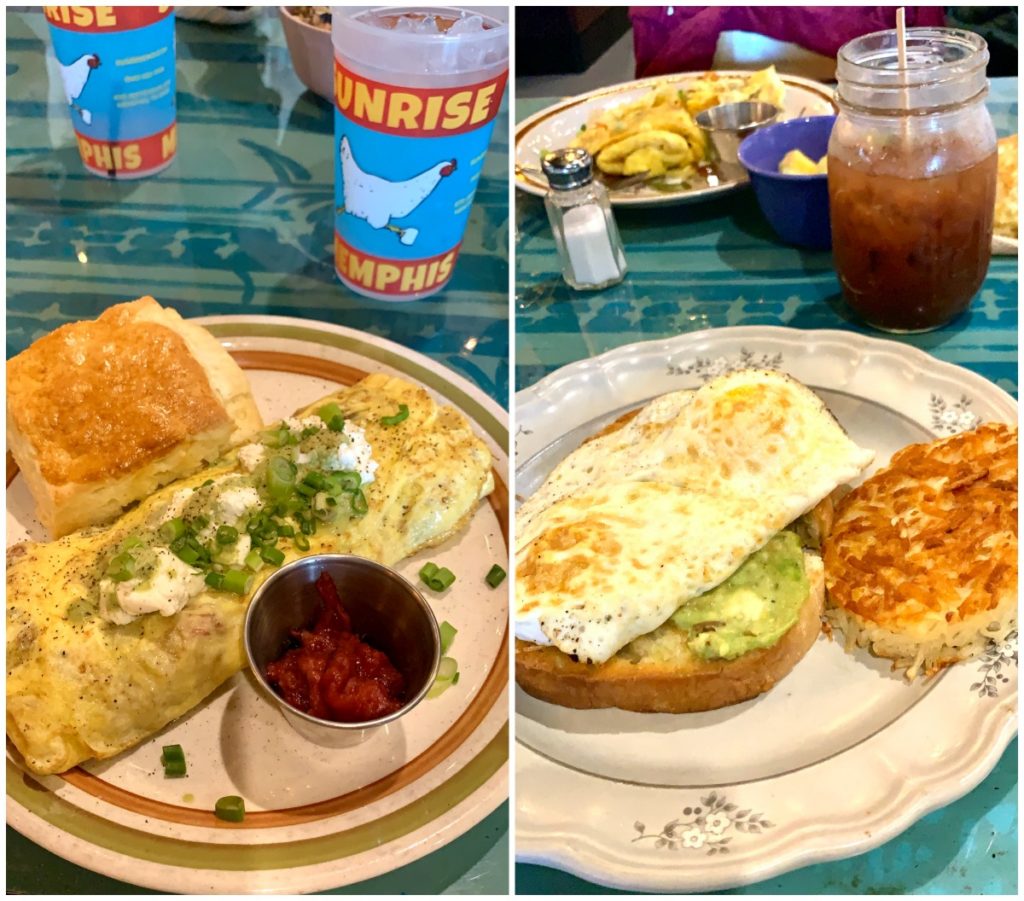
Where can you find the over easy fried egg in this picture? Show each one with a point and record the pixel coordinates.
(636, 522)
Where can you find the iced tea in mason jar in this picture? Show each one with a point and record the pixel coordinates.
(912, 177)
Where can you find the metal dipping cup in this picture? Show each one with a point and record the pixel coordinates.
(384, 608)
(727, 126)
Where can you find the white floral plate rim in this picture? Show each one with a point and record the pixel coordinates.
(465, 781)
(562, 120)
(654, 838)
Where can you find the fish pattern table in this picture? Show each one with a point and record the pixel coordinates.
(718, 264)
(240, 223)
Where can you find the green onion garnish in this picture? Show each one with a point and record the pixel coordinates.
(189, 555)
(305, 490)
(121, 567)
(173, 529)
(315, 479)
(173, 760)
(286, 531)
(328, 411)
(337, 424)
(448, 633)
(227, 535)
(253, 560)
(272, 555)
(281, 474)
(301, 542)
(447, 669)
(401, 416)
(215, 580)
(237, 581)
(359, 505)
(308, 432)
(132, 541)
(495, 576)
(200, 522)
(346, 480)
(437, 578)
(207, 483)
(230, 808)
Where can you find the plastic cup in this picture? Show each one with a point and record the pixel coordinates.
(413, 115)
(117, 67)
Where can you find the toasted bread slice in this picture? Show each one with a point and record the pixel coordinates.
(668, 677)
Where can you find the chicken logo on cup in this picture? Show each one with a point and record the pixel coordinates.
(407, 162)
(116, 64)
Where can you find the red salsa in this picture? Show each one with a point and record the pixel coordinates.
(332, 673)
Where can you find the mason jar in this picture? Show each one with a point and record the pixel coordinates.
(912, 177)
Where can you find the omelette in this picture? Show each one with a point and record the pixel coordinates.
(639, 523)
(656, 133)
(114, 632)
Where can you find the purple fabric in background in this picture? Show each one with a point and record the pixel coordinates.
(682, 38)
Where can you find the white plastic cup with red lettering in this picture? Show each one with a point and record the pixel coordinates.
(116, 64)
(415, 104)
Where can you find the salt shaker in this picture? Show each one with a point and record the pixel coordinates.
(589, 246)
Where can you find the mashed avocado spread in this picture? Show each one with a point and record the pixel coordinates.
(751, 609)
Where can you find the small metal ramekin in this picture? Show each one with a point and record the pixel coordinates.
(727, 125)
(385, 609)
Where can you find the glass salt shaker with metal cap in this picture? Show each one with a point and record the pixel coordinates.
(588, 242)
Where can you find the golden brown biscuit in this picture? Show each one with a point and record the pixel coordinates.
(101, 413)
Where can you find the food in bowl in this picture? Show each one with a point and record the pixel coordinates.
(656, 135)
(333, 674)
(668, 564)
(317, 16)
(796, 162)
(921, 562)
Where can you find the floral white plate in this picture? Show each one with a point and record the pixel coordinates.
(555, 126)
(842, 755)
(315, 818)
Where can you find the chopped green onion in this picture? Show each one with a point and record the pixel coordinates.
(495, 576)
(448, 633)
(305, 490)
(337, 424)
(359, 505)
(173, 760)
(285, 531)
(439, 687)
(281, 474)
(447, 669)
(301, 542)
(237, 581)
(207, 483)
(254, 561)
(200, 522)
(437, 578)
(130, 542)
(173, 529)
(227, 535)
(323, 509)
(230, 808)
(188, 554)
(272, 555)
(401, 416)
(346, 480)
(121, 567)
(215, 580)
(316, 479)
(307, 527)
(328, 411)
(308, 432)
(455, 678)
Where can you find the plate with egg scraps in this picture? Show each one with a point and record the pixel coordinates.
(261, 807)
(643, 136)
(801, 747)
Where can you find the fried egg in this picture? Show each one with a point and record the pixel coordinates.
(636, 522)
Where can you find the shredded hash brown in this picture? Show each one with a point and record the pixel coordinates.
(921, 564)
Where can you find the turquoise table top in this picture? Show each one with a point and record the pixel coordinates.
(239, 224)
(718, 264)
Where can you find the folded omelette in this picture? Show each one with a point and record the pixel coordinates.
(112, 633)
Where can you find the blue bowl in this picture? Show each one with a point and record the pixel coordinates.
(796, 206)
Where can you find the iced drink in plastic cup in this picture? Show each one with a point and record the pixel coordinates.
(416, 92)
(117, 68)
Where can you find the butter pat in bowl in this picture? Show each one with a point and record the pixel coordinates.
(795, 204)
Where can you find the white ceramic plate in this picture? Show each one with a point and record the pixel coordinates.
(316, 818)
(842, 755)
(1003, 246)
(557, 125)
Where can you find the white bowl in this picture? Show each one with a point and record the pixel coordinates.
(311, 52)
